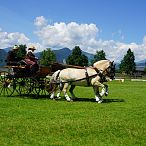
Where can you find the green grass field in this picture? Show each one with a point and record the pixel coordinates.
(119, 121)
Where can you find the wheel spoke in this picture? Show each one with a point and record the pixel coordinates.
(42, 84)
(6, 84)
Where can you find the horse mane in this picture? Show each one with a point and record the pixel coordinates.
(102, 64)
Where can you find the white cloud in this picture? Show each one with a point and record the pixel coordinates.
(66, 35)
(40, 21)
(37, 45)
(10, 39)
(144, 40)
(87, 36)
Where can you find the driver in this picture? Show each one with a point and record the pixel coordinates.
(12, 58)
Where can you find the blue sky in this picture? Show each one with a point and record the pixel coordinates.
(116, 24)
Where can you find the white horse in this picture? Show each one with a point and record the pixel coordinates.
(91, 76)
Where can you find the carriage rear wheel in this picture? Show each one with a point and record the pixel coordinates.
(23, 86)
(7, 84)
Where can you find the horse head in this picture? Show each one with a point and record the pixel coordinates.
(106, 67)
(111, 70)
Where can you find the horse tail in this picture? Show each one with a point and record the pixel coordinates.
(56, 75)
(53, 81)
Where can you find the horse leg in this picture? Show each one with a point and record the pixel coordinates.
(96, 82)
(55, 88)
(58, 94)
(60, 89)
(52, 95)
(71, 91)
(51, 89)
(102, 91)
(106, 89)
(53, 92)
(66, 85)
(97, 95)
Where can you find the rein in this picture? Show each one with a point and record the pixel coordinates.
(77, 80)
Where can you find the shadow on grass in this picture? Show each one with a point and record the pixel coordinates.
(32, 96)
(93, 100)
(113, 100)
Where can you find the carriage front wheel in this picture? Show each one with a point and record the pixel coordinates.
(7, 84)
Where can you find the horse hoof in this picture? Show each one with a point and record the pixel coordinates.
(70, 100)
(100, 101)
(106, 94)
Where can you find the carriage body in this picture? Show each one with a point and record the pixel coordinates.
(18, 81)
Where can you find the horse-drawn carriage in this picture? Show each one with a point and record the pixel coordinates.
(40, 84)
(18, 80)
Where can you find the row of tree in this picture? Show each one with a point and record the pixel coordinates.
(47, 57)
(75, 58)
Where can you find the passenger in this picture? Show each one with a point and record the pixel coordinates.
(12, 58)
(31, 60)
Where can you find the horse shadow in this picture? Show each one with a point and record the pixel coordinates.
(77, 99)
(113, 100)
(93, 100)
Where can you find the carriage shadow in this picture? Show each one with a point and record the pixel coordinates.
(93, 100)
(33, 96)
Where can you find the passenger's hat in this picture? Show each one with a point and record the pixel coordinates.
(31, 48)
(15, 47)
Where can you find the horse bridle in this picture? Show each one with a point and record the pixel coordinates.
(110, 71)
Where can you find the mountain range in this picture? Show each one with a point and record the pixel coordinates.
(61, 56)
(3, 55)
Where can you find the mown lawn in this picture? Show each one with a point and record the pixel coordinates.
(119, 121)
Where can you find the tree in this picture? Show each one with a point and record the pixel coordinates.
(77, 58)
(47, 57)
(100, 55)
(22, 51)
(128, 65)
(145, 69)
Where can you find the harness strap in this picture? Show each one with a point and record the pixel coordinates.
(87, 77)
(98, 71)
(102, 77)
(74, 80)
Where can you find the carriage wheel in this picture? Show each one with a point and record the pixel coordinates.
(7, 84)
(43, 85)
(33, 87)
(23, 86)
(40, 86)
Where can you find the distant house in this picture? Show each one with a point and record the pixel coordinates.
(140, 70)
